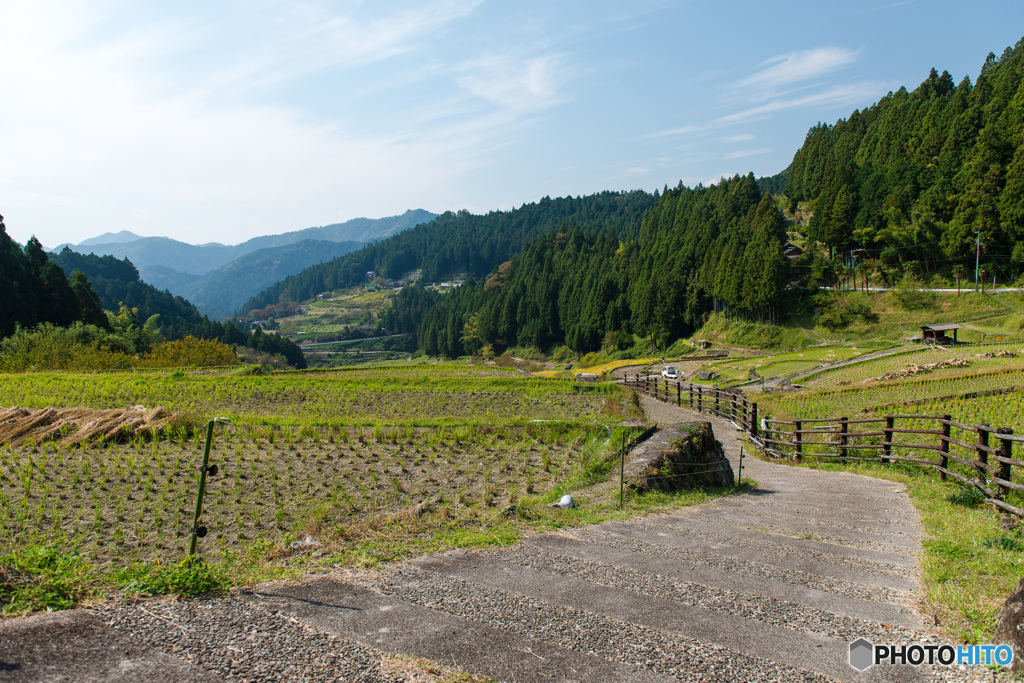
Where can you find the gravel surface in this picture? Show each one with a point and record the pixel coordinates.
(239, 642)
(747, 605)
(782, 551)
(898, 523)
(621, 641)
(817, 524)
(706, 558)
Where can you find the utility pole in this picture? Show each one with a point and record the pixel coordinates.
(977, 259)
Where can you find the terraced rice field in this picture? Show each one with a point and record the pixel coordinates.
(356, 457)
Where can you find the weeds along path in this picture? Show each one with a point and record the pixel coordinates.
(769, 585)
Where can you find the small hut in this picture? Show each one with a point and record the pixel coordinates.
(936, 334)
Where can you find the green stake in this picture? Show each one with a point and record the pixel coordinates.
(197, 530)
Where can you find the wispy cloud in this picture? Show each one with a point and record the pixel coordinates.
(519, 83)
(796, 67)
(672, 132)
(835, 96)
(741, 154)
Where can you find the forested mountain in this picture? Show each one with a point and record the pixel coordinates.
(464, 243)
(34, 289)
(912, 179)
(202, 258)
(221, 291)
(698, 250)
(117, 283)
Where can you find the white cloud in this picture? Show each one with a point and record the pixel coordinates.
(836, 96)
(518, 83)
(742, 154)
(671, 132)
(797, 67)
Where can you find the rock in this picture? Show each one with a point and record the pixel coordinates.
(682, 456)
(306, 544)
(1009, 523)
(1010, 630)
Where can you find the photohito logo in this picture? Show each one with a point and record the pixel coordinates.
(864, 654)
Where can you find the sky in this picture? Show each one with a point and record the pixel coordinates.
(220, 121)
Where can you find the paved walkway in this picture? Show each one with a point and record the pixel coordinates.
(771, 585)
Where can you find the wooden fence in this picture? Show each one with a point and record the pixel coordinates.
(977, 456)
(731, 405)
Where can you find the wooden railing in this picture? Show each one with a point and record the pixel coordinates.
(731, 405)
(978, 456)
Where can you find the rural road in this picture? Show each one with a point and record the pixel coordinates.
(771, 585)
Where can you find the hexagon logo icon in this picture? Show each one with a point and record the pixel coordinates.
(861, 654)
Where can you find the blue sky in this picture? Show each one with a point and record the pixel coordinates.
(220, 121)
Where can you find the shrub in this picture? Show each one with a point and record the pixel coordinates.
(910, 296)
(189, 352)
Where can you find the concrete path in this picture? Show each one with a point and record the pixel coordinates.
(771, 585)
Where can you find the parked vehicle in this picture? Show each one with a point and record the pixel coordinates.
(670, 372)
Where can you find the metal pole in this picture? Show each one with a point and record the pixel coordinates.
(199, 531)
(622, 469)
(977, 260)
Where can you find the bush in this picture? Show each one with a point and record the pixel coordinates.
(189, 352)
(48, 347)
(910, 296)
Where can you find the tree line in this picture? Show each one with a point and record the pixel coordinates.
(697, 250)
(461, 242)
(106, 293)
(917, 178)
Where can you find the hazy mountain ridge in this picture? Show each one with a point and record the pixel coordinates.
(202, 258)
(218, 278)
(220, 292)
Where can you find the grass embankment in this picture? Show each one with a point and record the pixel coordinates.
(372, 466)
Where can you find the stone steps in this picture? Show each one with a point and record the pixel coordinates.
(771, 585)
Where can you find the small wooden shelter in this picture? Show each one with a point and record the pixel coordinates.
(936, 334)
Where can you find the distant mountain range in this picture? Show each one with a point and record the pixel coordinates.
(217, 278)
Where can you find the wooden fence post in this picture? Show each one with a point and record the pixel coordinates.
(679, 394)
(798, 447)
(1005, 452)
(944, 446)
(753, 419)
(844, 435)
(691, 395)
(700, 399)
(887, 444)
(982, 449)
(716, 412)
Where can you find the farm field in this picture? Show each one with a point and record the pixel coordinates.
(448, 394)
(121, 503)
(371, 464)
(326, 318)
(980, 359)
(925, 393)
